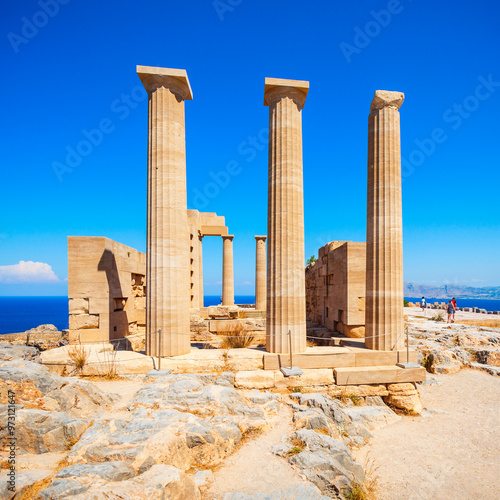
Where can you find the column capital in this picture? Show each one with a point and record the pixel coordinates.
(228, 237)
(175, 80)
(276, 89)
(386, 99)
(263, 238)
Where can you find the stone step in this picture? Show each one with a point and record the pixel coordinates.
(378, 375)
(338, 357)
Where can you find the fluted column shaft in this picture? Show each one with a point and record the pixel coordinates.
(167, 269)
(200, 267)
(227, 271)
(384, 237)
(286, 304)
(260, 273)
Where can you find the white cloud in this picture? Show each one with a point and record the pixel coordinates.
(247, 283)
(28, 272)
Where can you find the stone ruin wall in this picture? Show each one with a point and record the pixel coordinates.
(106, 290)
(336, 288)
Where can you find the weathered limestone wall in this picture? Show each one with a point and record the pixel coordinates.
(335, 288)
(106, 289)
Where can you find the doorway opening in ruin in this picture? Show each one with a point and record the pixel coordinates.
(212, 269)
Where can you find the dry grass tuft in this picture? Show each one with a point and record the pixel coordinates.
(369, 489)
(107, 366)
(356, 401)
(79, 355)
(438, 317)
(238, 338)
(323, 430)
(357, 492)
(298, 446)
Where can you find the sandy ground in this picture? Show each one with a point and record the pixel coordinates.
(253, 468)
(449, 456)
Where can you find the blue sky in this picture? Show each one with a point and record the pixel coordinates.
(72, 70)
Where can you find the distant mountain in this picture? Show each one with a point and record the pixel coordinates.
(447, 291)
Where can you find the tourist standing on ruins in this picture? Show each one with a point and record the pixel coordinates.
(422, 304)
(454, 302)
(451, 312)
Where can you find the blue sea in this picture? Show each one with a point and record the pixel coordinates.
(18, 314)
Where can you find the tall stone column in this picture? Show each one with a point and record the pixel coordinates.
(200, 267)
(167, 268)
(260, 273)
(227, 271)
(286, 301)
(384, 235)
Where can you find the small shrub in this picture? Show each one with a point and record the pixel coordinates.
(296, 389)
(238, 338)
(79, 355)
(406, 303)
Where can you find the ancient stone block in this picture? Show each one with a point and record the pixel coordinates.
(83, 321)
(78, 306)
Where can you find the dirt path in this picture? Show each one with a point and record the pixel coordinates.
(454, 455)
(253, 468)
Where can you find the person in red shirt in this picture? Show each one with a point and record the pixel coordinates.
(454, 302)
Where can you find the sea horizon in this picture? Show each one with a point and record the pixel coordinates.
(23, 312)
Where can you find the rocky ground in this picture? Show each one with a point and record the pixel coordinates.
(450, 347)
(189, 436)
(153, 436)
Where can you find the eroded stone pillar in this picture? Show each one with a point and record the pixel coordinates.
(227, 271)
(286, 302)
(384, 235)
(200, 267)
(260, 273)
(167, 268)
